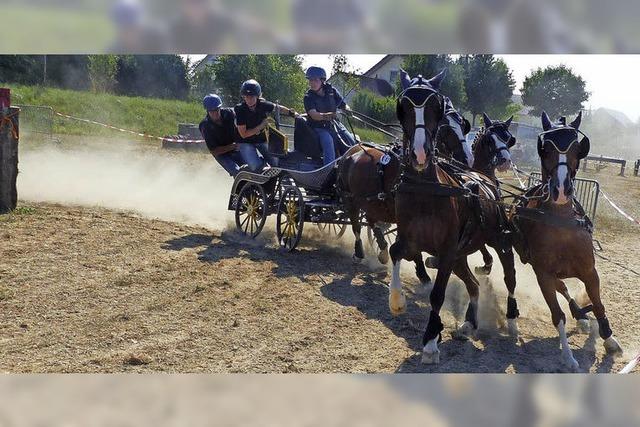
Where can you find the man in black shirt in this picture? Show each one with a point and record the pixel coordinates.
(219, 132)
(251, 120)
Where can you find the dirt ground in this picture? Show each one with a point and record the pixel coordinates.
(87, 286)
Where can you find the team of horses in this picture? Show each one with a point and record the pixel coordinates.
(445, 199)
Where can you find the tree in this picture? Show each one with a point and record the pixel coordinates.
(203, 82)
(430, 65)
(281, 77)
(556, 90)
(102, 72)
(488, 84)
(160, 76)
(343, 76)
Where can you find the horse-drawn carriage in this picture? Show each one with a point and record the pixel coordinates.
(299, 190)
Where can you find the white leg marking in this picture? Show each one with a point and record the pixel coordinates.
(430, 352)
(397, 300)
(466, 330)
(567, 355)
(420, 137)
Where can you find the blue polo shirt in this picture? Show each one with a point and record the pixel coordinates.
(328, 103)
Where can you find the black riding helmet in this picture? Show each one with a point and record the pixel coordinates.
(251, 88)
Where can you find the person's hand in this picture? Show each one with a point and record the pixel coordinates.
(329, 116)
(292, 113)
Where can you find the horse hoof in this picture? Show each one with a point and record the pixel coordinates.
(483, 271)
(430, 358)
(569, 362)
(464, 332)
(612, 346)
(356, 260)
(512, 327)
(431, 262)
(397, 303)
(584, 326)
(383, 256)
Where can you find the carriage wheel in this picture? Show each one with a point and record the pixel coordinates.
(290, 220)
(251, 211)
(390, 237)
(332, 230)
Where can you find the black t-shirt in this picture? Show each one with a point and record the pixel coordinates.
(251, 119)
(329, 103)
(218, 135)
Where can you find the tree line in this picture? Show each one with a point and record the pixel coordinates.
(475, 83)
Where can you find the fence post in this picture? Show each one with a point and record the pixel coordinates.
(9, 135)
(624, 165)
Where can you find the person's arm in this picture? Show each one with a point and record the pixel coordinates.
(319, 117)
(289, 111)
(248, 133)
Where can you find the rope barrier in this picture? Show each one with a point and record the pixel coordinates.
(631, 365)
(620, 211)
(143, 135)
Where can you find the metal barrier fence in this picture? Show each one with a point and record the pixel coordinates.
(36, 119)
(586, 191)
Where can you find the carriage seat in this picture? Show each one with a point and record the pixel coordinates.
(305, 139)
(320, 180)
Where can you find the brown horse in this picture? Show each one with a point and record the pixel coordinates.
(367, 176)
(554, 235)
(436, 213)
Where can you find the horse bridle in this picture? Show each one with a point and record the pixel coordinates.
(406, 151)
(494, 150)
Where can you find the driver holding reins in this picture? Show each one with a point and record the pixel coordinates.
(321, 103)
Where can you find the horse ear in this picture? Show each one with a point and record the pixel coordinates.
(508, 122)
(540, 145)
(404, 79)
(486, 120)
(466, 126)
(585, 146)
(576, 123)
(546, 123)
(435, 81)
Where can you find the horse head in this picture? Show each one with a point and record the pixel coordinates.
(491, 147)
(420, 108)
(561, 149)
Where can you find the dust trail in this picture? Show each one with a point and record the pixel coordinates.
(182, 187)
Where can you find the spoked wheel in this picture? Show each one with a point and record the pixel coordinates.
(251, 210)
(390, 235)
(290, 220)
(332, 230)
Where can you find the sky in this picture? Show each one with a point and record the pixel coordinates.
(613, 80)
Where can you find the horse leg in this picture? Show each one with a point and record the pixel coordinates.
(383, 255)
(592, 284)
(397, 300)
(470, 325)
(508, 265)
(548, 287)
(354, 217)
(485, 270)
(432, 335)
(426, 285)
(580, 314)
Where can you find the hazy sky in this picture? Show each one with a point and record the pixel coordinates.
(613, 80)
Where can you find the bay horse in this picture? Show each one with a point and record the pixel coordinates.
(436, 212)
(554, 235)
(367, 176)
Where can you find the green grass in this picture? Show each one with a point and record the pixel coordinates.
(148, 115)
(371, 135)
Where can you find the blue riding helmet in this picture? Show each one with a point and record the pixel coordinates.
(251, 88)
(211, 102)
(316, 73)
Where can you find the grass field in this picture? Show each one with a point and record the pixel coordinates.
(148, 115)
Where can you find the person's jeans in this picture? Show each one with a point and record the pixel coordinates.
(254, 160)
(327, 145)
(231, 162)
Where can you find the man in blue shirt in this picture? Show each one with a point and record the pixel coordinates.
(219, 132)
(321, 103)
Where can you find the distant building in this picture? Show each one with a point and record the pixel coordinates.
(388, 69)
(207, 60)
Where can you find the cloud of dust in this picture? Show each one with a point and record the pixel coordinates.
(183, 187)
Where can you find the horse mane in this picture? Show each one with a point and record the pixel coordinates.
(482, 132)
